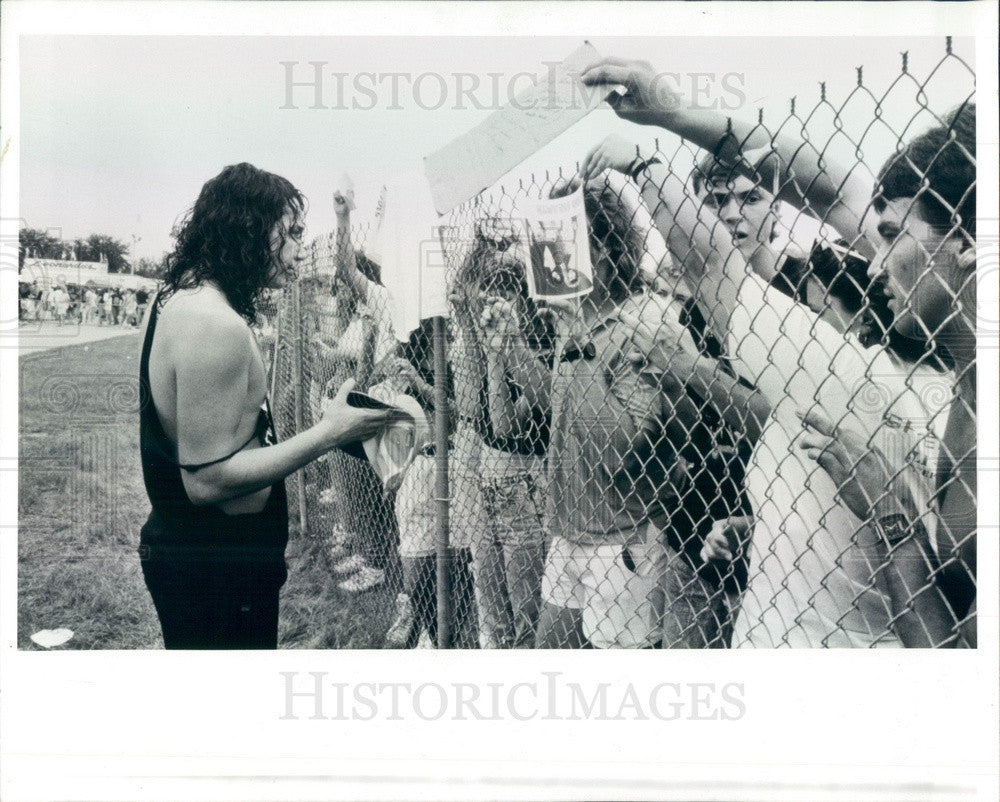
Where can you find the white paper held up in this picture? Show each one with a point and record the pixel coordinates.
(473, 161)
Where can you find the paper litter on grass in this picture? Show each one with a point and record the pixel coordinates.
(47, 638)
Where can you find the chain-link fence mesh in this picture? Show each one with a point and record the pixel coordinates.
(757, 430)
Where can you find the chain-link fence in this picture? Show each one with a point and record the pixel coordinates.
(757, 429)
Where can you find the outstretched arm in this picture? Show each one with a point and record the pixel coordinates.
(780, 346)
(744, 409)
(786, 161)
(877, 492)
(214, 415)
(346, 259)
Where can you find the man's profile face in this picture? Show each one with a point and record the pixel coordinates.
(745, 209)
(286, 251)
(918, 269)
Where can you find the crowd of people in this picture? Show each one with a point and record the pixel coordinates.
(71, 304)
(727, 443)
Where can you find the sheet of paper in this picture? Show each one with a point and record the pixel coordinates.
(50, 638)
(470, 163)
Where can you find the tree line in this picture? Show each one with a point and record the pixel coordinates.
(95, 248)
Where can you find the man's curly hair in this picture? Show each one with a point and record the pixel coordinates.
(615, 239)
(226, 236)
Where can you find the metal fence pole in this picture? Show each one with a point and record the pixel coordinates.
(273, 390)
(442, 546)
(300, 484)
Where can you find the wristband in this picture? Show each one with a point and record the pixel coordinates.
(638, 165)
(894, 529)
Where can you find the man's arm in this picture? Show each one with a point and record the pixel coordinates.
(638, 415)
(345, 258)
(956, 531)
(744, 409)
(675, 370)
(531, 372)
(921, 615)
(803, 176)
(215, 415)
(878, 492)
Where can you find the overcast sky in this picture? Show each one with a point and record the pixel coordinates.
(119, 133)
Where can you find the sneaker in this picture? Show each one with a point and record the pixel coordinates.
(338, 552)
(400, 634)
(349, 565)
(339, 539)
(367, 578)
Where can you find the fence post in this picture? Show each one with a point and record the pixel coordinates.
(300, 484)
(442, 546)
(273, 389)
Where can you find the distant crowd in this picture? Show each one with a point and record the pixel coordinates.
(71, 304)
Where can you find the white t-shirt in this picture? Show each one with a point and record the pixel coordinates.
(811, 559)
(350, 343)
(378, 303)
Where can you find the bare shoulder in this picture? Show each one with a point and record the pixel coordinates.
(198, 327)
(201, 315)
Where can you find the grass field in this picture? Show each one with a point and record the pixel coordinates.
(81, 503)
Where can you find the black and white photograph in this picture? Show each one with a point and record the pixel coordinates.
(345, 330)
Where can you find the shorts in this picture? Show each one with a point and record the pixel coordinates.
(416, 509)
(467, 517)
(616, 589)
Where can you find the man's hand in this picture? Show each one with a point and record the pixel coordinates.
(727, 538)
(647, 99)
(462, 305)
(670, 365)
(498, 323)
(613, 153)
(565, 186)
(343, 423)
(865, 480)
(343, 202)
(611, 176)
